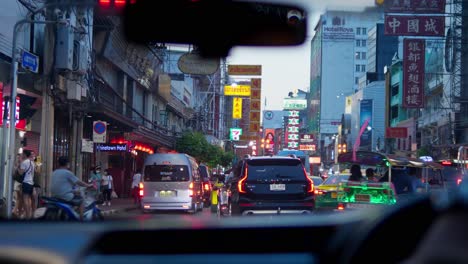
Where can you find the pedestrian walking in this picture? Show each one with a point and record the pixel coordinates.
(95, 178)
(27, 185)
(107, 185)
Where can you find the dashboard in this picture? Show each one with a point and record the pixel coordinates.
(413, 230)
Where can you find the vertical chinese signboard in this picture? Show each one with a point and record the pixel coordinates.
(417, 18)
(292, 139)
(414, 52)
(237, 108)
(255, 105)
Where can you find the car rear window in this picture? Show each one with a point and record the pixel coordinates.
(275, 168)
(204, 172)
(167, 173)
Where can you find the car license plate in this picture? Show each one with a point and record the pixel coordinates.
(167, 194)
(333, 195)
(277, 187)
(362, 198)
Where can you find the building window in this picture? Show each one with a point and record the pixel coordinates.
(363, 55)
(363, 68)
(364, 31)
(358, 68)
(358, 43)
(394, 112)
(358, 55)
(363, 43)
(358, 31)
(410, 141)
(356, 80)
(395, 89)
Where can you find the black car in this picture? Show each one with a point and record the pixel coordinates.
(269, 185)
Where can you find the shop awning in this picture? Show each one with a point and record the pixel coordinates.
(148, 136)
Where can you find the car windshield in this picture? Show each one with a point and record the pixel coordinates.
(375, 77)
(269, 169)
(166, 173)
(335, 179)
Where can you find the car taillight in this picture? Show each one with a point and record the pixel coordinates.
(191, 189)
(140, 187)
(241, 183)
(318, 192)
(459, 181)
(310, 186)
(340, 207)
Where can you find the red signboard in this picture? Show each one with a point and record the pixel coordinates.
(20, 124)
(414, 51)
(401, 25)
(396, 132)
(415, 6)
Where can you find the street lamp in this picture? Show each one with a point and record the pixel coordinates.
(369, 128)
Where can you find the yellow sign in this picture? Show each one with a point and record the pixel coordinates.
(237, 108)
(237, 90)
(245, 69)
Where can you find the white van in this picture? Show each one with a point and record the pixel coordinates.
(171, 182)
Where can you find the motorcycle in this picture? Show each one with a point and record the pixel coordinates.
(56, 209)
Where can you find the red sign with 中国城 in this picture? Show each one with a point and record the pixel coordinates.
(414, 51)
(404, 25)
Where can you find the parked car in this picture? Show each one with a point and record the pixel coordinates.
(271, 185)
(171, 182)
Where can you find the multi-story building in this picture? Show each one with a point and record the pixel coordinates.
(339, 59)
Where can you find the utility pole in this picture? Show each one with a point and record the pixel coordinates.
(9, 136)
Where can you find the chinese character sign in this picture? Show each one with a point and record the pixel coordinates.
(415, 6)
(398, 25)
(414, 51)
(237, 108)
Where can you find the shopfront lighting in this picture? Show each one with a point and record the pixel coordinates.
(22, 133)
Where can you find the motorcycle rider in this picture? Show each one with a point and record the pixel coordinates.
(63, 182)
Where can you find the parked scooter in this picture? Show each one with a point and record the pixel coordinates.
(55, 209)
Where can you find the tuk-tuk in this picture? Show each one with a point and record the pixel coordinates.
(366, 194)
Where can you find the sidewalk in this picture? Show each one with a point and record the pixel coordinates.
(118, 205)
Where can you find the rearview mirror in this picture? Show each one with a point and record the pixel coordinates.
(215, 26)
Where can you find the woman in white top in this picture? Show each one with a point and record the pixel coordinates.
(107, 184)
